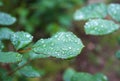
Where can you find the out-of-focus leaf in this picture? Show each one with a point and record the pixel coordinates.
(1, 45)
(28, 71)
(114, 11)
(98, 10)
(6, 19)
(68, 74)
(10, 57)
(1, 3)
(82, 77)
(5, 33)
(117, 54)
(100, 27)
(4, 76)
(21, 39)
(54, 28)
(62, 45)
(100, 77)
(65, 20)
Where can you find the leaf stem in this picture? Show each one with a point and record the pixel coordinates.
(24, 51)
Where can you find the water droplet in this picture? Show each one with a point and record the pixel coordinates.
(42, 41)
(27, 35)
(70, 47)
(52, 44)
(44, 45)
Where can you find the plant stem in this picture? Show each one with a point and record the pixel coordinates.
(24, 51)
(18, 68)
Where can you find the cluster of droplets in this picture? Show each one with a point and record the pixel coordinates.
(61, 45)
(6, 19)
(114, 11)
(100, 27)
(21, 39)
(98, 10)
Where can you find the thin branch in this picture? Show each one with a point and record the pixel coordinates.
(18, 68)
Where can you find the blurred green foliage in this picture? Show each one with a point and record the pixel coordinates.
(49, 16)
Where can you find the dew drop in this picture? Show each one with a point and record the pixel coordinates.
(70, 47)
(44, 45)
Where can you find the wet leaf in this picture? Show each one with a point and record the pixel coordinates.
(62, 45)
(68, 74)
(5, 33)
(6, 19)
(92, 11)
(21, 39)
(10, 57)
(114, 11)
(28, 71)
(100, 27)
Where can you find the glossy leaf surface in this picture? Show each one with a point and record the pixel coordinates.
(21, 39)
(6, 19)
(100, 27)
(92, 11)
(62, 45)
(114, 11)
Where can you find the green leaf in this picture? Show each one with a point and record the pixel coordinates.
(1, 45)
(62, 45)
(98, 10)
(28, 71)
(82, 77)
(114, 11)
(5, 33)
(21, 39)
(10, 57)
(100, 27)
(6, 19)
(33, 55)
(68, 74)
(117, 54)
(100, 77)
